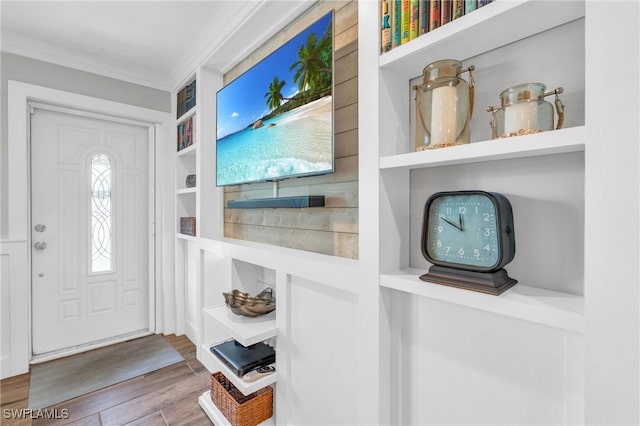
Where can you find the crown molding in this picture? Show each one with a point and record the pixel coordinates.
(214, 35)
(22, 45)
(223, 44)
(263, 20)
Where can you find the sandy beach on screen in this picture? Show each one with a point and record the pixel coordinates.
(320, 109)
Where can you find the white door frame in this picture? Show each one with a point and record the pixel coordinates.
(19, 96)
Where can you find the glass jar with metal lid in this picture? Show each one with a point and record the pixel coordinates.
(524, 111)
(444, 104)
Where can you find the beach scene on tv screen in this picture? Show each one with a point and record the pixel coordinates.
(275, 120)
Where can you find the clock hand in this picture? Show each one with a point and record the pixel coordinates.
(461, 222)
(451, 223)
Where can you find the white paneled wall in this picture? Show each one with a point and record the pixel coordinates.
(14, 305)
(323, 332)
(507, 371)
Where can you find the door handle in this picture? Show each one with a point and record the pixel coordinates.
(40, 245)
(40, 227)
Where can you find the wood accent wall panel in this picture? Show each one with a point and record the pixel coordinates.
(331, 230)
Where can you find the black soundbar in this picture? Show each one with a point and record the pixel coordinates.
(280, 202)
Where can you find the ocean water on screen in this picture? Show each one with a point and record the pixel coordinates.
(300, 142)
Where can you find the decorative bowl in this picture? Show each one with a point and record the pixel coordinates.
(246, 305)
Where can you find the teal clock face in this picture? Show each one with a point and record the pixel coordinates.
(463, 229)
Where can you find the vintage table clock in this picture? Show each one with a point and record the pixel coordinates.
(469, 237)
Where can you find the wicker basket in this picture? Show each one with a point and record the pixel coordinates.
(241, 410)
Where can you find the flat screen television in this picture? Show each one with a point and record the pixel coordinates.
(275, 121)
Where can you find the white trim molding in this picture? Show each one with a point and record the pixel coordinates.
(16, 359)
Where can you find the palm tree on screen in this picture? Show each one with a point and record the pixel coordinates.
(311, 64)
(274, 95)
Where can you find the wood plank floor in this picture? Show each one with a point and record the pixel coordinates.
(163, 397)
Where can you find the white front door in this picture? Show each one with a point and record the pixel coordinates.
(89, 230)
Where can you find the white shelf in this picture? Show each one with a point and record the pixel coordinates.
(183, 191)
(245, 330)
(489, 27)
(186, 237)
(552, 308)
(546, 143)
(191, 149)
(213, 364)
(186, 115)
(217, 417)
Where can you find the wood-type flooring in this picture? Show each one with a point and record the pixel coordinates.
(164, 397)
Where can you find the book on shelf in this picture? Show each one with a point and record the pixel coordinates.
(405, 21)
(423, 16)
(186, 133)
(385, 27)
(470, 6)
(190, 100)
(396, 23)
(445, 12)
(186, 99)
(434, 14)
(414, 19)
(457, 9)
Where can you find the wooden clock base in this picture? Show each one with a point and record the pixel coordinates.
(494, 283)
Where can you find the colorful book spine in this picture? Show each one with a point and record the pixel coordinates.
(190, 100)
(483, 2)
(180, 104)
(445, 12)
(385, 28)
(414, 20)
(457, 7)
(470, 6)
(434, 14)
(396, 24)
(186, 99)
(180, 142)
(405, 21)
(423, 16)
(186, 134)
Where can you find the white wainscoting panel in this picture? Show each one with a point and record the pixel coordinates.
(14, 304)
(322, 340)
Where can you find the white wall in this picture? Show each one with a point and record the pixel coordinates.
(612, 256)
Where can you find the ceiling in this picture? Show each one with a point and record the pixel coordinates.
(153, 43)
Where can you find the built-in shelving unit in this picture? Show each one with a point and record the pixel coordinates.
(186, 237)
(467, 36)
(187, 190)
(538, 305)
(429, 324)
(214, 364)
(188, 114)
(550, 143)
(220, 324)
(246, 330)
(188, 150)
(186, 156)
